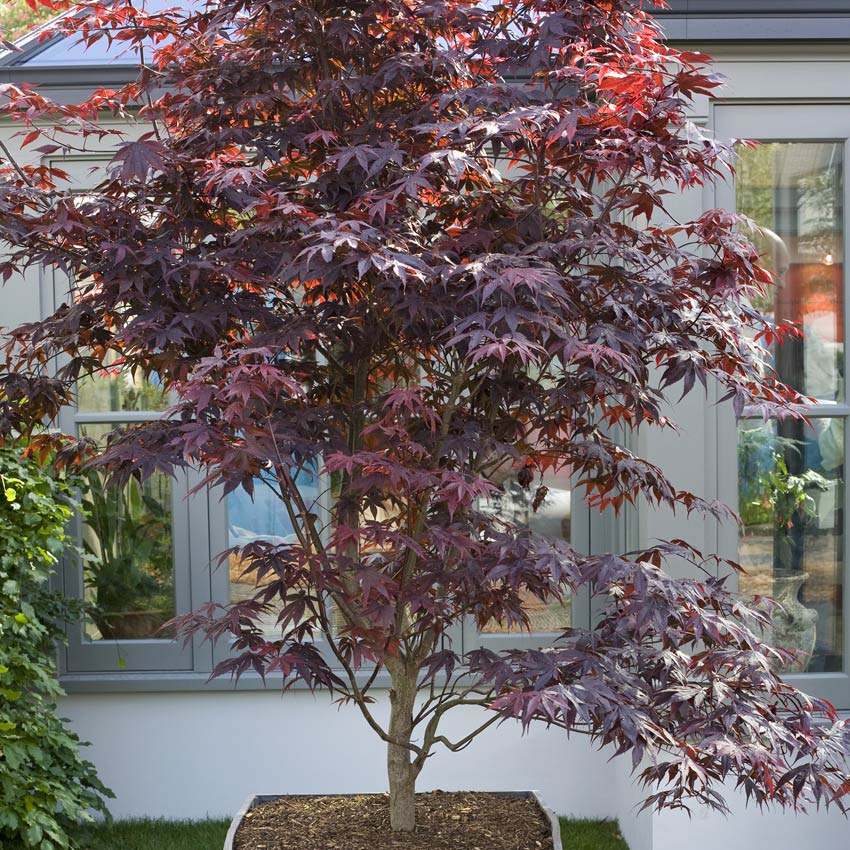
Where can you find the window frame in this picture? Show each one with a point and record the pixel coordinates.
(776, 121)
(738, 8)
(191, 587)
(190, 520)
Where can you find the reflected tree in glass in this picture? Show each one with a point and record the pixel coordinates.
(793, 192)
(261, 517)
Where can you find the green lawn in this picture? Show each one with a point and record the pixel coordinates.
(159, 835)
(592, 835)
(209, 835)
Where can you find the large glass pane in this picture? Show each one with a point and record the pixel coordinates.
(128, 555)
(552, 519)
(794, 193)
(791, 502)
(116, 389)
(262, 517)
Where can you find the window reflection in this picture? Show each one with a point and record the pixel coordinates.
(794, 191)
(552, 519)
(115, 389)
(791, 474)
(128, 546)
(262, 516)
(791, 502)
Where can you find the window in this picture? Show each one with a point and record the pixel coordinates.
(561, 516)
(261, 517)
(239, 519)
(789, 479)
(145, 546)
(151, 549)
(134, 574)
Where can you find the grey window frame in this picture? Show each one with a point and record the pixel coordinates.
(788, 122)
(755, 21)
(586, 528)
(736, 8)
(125, 658)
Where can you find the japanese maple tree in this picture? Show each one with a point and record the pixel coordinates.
(422, 244)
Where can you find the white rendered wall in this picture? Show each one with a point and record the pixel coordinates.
(635, 826)
(749, 829)
(194, 755)
(189, 755)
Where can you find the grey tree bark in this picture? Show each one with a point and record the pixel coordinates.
(401, 771)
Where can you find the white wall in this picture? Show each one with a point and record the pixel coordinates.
(636, 826)
(193, 755)
(190, 755)
(749, 829)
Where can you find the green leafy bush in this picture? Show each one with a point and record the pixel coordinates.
(46, 789)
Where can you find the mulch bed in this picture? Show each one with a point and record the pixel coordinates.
(444, 821)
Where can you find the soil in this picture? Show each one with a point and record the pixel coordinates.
(444, 821)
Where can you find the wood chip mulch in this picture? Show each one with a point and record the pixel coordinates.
(444, 821)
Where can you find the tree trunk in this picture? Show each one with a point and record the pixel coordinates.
(400, 771)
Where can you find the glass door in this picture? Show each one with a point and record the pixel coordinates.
(787, 478)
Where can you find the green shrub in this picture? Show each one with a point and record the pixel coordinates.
(46, 789)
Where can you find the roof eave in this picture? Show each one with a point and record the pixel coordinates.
(62, 76)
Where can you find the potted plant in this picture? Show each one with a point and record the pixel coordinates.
(408, 244)
(778, 504)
